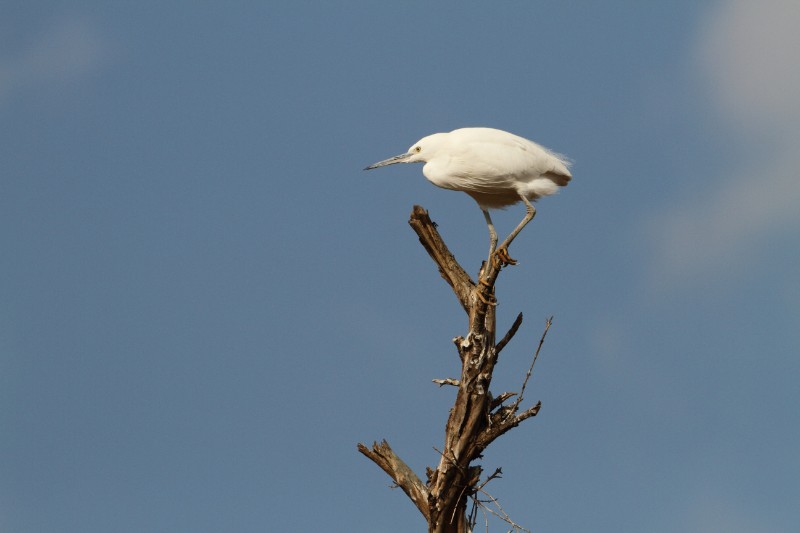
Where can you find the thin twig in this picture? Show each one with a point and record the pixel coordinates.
(547, 325)
(497, 474)
(451, 461)
(455, 508)
(504, 516)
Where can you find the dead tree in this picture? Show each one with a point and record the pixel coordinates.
(477, 417)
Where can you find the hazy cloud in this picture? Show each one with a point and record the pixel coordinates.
(709, 512)
(67, 49)
(748, 52)
(747, 57)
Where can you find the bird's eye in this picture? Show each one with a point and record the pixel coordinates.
(418, 149)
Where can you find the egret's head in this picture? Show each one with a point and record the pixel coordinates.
(421, 151)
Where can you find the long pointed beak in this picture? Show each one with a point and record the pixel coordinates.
(402, 158)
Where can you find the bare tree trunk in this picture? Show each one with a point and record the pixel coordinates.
(476, 418)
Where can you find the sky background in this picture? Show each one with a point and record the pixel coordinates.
(205, 303)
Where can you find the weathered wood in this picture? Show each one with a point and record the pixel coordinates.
(449, 268)
(476, 418)
(510, 335)
(383, 455)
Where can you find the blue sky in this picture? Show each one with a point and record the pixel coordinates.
(206, 303)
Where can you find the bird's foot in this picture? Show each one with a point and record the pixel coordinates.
(502, 259)
(489, 299)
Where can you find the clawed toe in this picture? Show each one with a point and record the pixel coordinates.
(491, 300)
(502, 259)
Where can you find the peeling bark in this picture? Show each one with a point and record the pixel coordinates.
(476, 418)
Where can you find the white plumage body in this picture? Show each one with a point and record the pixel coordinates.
(496, 168)
(493, 166)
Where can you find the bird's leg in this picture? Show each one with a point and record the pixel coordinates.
(489, 299)
(492, 232)
(501, 255)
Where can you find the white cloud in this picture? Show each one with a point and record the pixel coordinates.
(68, 49)
(747, 57)
(749, 54)
(710, 513)
(714, 233)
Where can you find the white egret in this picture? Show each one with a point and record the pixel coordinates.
(496, 168)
